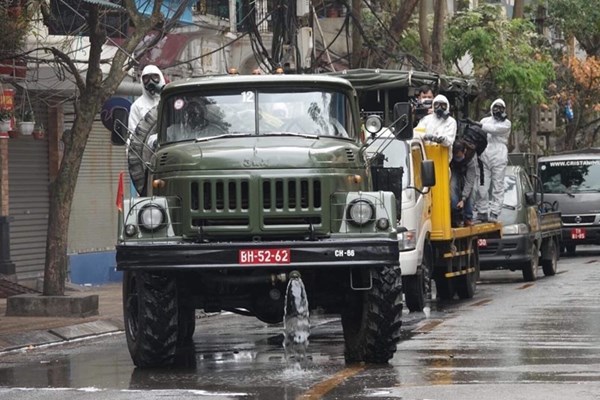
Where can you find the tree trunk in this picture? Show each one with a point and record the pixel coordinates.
(571, 133)
(92, 93)
(519, 9)
(424, 33)
(533, 129)
(399, 23)
(356, 36)
(461, 5)
(437, 36)
(62, 191)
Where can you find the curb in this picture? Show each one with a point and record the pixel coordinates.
(30, 339)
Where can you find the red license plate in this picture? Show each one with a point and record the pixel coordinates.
(264, 256)
(578, 233)
(482, 242)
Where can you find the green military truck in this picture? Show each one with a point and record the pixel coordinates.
(254, 177)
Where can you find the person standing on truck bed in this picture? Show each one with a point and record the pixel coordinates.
(152, 83)
(495, 159)
(439, 126)
(462, 181)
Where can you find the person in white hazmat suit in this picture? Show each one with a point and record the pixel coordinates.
(153, 82)
(439, 126)
(490, 195)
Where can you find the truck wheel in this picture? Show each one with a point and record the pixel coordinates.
(187, 325)
(467, 284)
(530, 268)
(444, 287)
(417, 288)
(414, 292)
(150, 316)
(570, 249)
(372, 319)
(550, 257)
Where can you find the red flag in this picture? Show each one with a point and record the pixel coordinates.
(120, 192)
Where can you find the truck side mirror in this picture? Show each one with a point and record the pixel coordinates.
(530, 198)
(118, 134)
(428, 173)
(403, 121)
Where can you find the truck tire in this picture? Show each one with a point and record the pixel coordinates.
(444, 287)
(139, 153)
(372, 319)
(417, 288)
(530, 268)
(186, 318)
(151, 318)
(549, 257)
(467, 284)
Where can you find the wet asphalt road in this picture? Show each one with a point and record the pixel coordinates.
(514, 340)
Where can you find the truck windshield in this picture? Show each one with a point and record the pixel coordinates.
(570, 176)
(235, 113)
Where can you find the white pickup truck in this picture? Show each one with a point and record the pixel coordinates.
(415, 247)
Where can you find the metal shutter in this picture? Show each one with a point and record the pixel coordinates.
(93, 223)
(28, 204)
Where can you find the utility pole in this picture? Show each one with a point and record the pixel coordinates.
(232, 16)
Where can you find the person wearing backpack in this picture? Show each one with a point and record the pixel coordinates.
(490, 194)
(463, 167)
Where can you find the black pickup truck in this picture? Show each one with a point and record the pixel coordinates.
(531, 230)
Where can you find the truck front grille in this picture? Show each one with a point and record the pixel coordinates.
(578, 219)
(291, 194)
(256, 206)
(220, 195)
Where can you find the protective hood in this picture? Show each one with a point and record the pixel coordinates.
(149, 70)
(499, 102)
(440, 98)
(441, 113)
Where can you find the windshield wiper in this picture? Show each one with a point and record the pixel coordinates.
(304, 135)
(226, 135)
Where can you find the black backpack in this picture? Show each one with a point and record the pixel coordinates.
(473, 135)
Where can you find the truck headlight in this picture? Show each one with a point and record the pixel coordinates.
(151, 217)
(361, 212)
(516, 229)
(407, 240)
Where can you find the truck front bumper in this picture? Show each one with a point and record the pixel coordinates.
(409, 261)
(587, 234)
(510, 252)
(327, 253)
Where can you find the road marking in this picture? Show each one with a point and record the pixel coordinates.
(322, 388)
(481, 303)
(525, 286)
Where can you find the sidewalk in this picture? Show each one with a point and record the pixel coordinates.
(23, 332)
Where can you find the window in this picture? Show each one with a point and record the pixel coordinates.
(417, 158)
(571, 176)
(246, 112)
